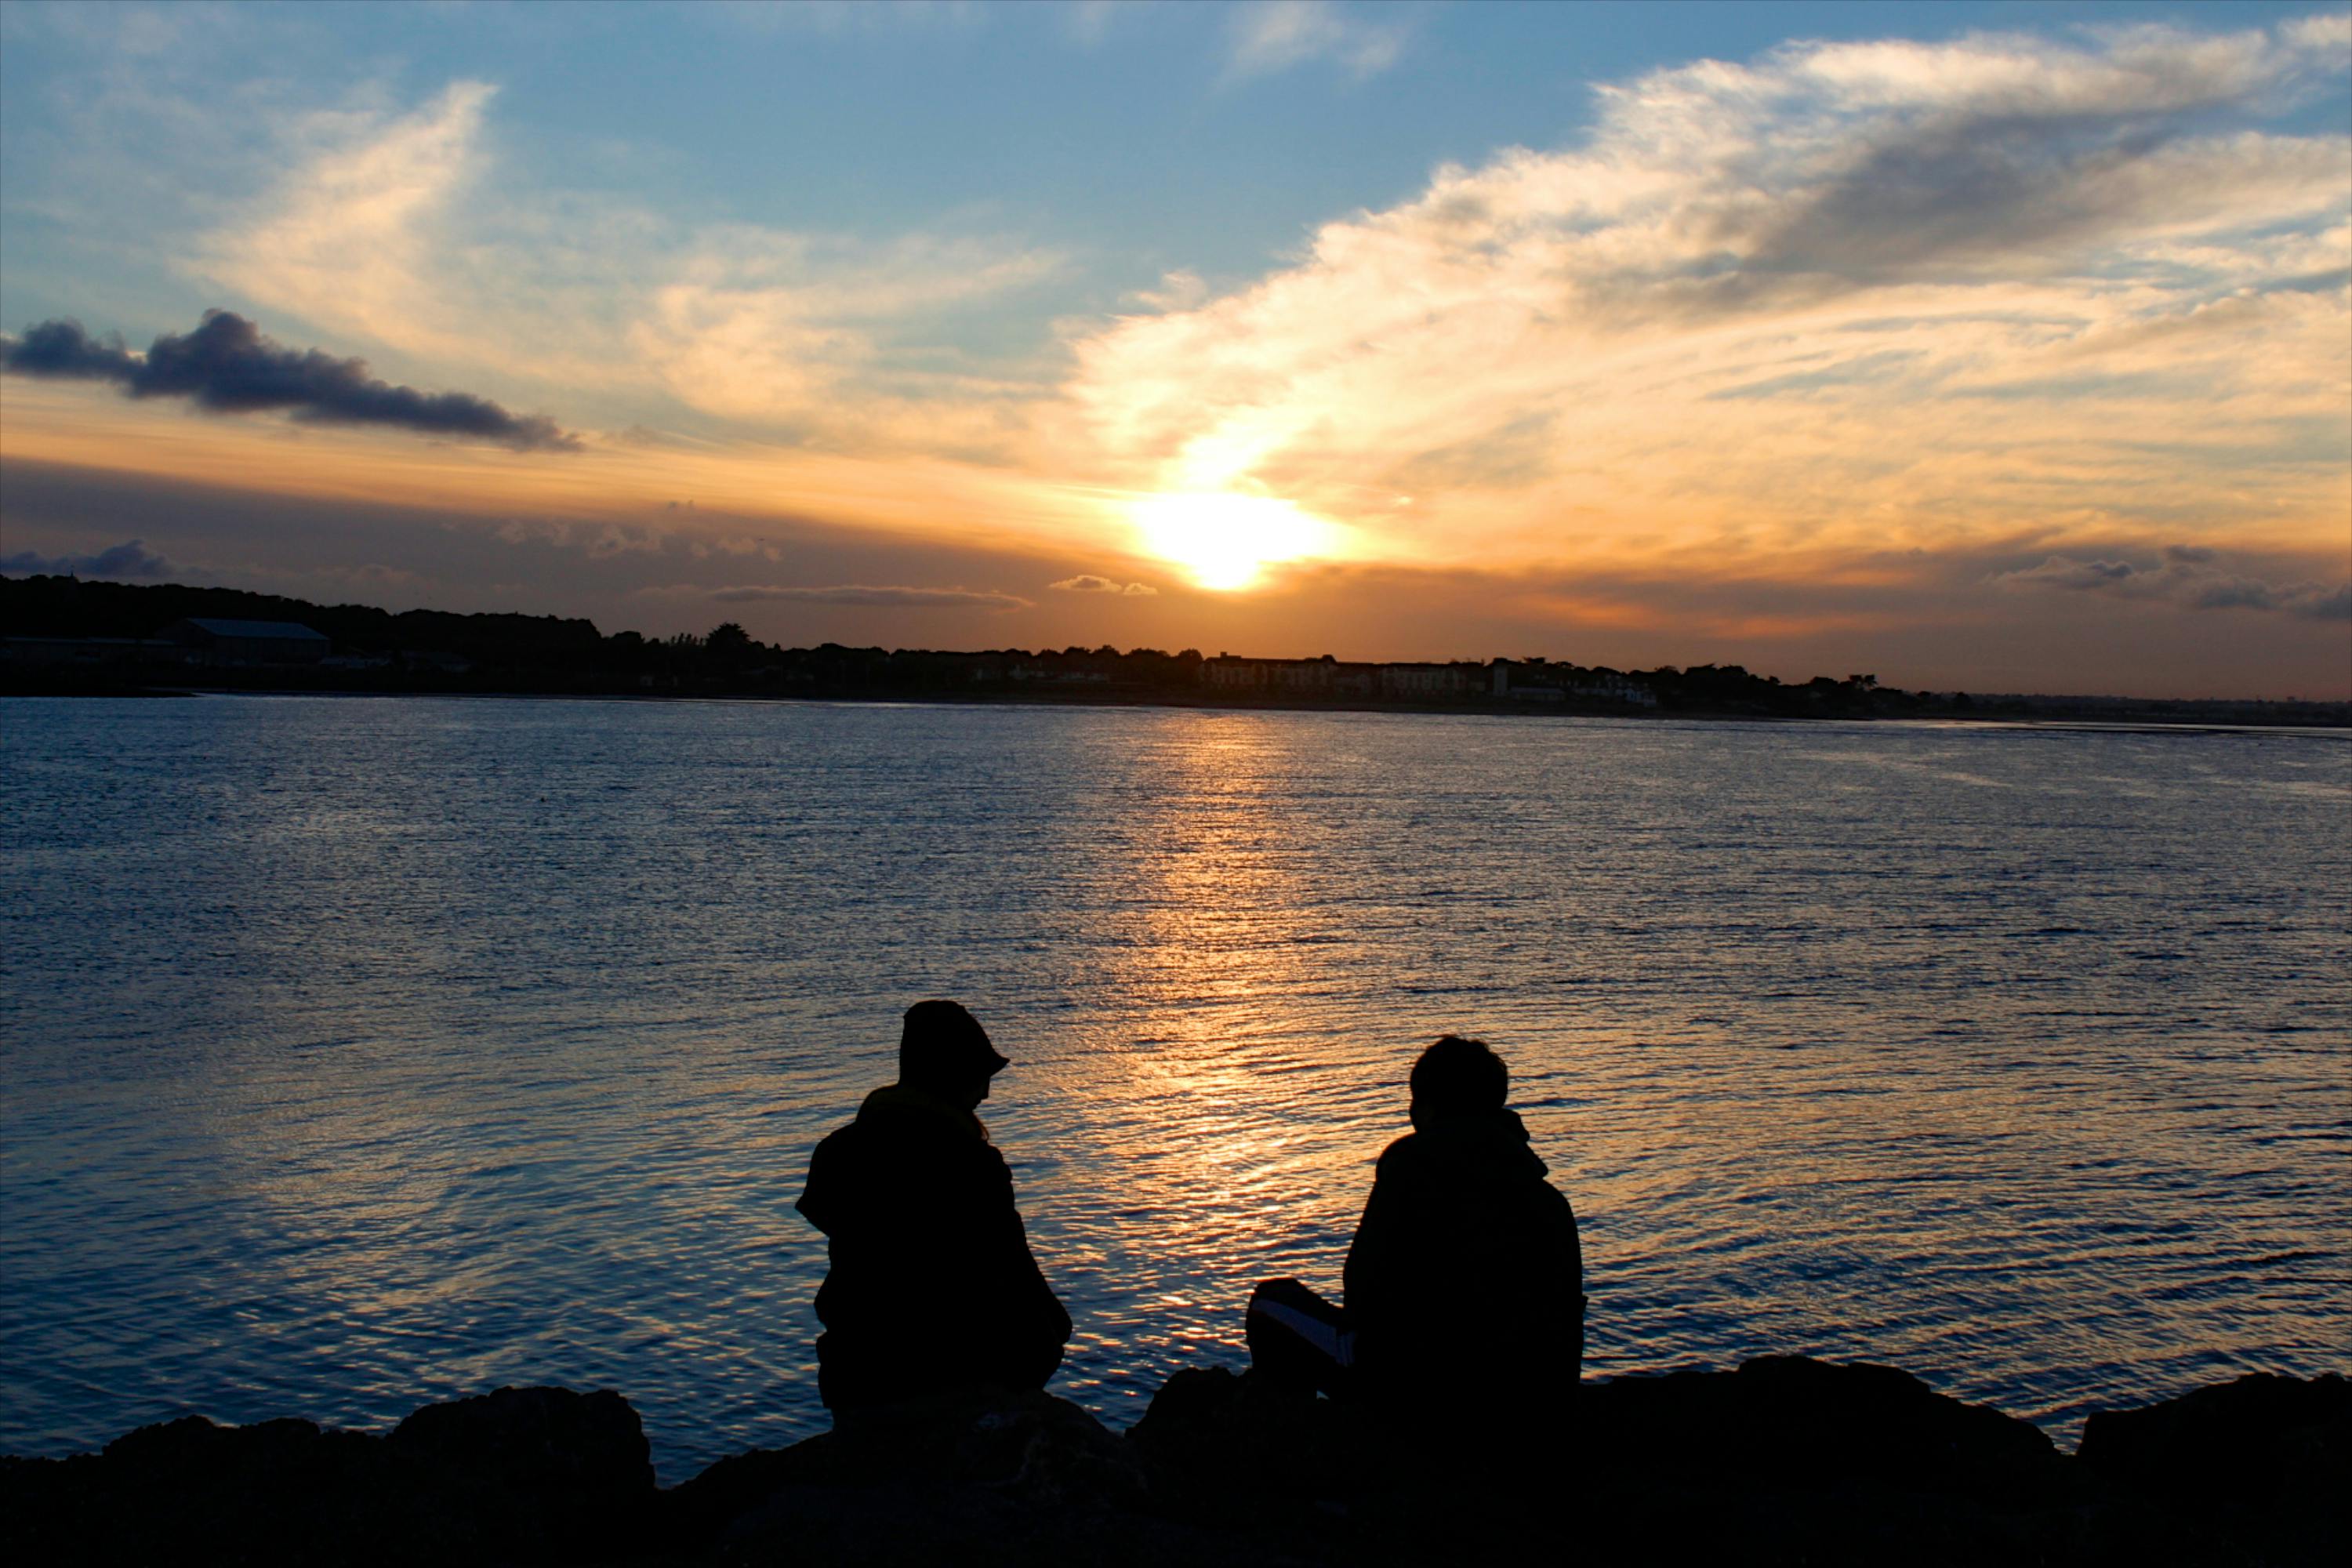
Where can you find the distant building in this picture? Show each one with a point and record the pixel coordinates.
(1540, 681)
(1425, 682)
(1230, 673)
(1329, 676)
(1608, 685)
(1528, 680)
(248, 642)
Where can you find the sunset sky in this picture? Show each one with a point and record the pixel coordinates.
(2000, 347)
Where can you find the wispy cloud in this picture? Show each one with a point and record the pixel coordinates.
(131, 559)
(754, 324)
(355, 238)
(228, 366)
(863, 595)
(1277, 35)
(844, 16)
(1088, 21)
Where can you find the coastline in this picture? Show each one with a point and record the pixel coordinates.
(66, 636)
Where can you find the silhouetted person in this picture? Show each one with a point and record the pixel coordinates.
(1465, 1285)
(933, 1289)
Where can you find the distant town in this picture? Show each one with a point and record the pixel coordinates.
(64, 635)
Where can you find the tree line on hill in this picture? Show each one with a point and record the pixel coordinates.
(61, 606)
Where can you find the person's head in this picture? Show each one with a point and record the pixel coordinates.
(1457, 1078)
(942, 1050)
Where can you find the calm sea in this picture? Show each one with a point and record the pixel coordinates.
(360, 1053)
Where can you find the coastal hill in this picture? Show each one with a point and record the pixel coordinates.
(1784, 1461)
(61, 635)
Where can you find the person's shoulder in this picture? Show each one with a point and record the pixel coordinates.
(1401, 1157)
(840, 1137)
(836, 1148)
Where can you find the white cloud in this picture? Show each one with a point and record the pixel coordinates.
(1280, 33)
(2324, 32)
(1179, 290)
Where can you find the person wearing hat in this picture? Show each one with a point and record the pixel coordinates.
(933, 1289)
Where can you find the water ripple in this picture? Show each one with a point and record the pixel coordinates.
(358, 1053)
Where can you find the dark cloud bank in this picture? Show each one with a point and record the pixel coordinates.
(227, 365)
(885, 597)
(2187, 577)
(128, 560)
(1088, 582)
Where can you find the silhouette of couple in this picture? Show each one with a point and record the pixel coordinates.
(1463, 1284)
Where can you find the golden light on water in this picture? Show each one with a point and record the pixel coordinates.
(1227, 540)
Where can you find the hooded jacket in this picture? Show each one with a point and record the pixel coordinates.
(1465, 1280)
(932, 1285)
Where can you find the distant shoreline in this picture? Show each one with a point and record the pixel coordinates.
(64, 637)
(2060, 714)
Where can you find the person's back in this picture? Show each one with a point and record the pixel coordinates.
(1464, 1283)
(932, 1287)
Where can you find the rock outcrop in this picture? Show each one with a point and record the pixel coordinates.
(2262, 1465)
(1784, 1461)
(523, 1475)
(1027, 1479)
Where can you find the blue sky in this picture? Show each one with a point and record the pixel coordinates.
(896, 287)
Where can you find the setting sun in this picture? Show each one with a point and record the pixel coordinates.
(1227, 540)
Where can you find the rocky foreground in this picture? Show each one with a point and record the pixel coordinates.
(1784, 1461)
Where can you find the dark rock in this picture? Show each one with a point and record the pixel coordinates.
(1236, 1438)
(2265, 1460)
(519, 1476)
(190, 1489)
(1313, 1480)
(1785, 1460)
(1789, 1421)
(2254, 1439)
(1011, 1478)
(530, 1474)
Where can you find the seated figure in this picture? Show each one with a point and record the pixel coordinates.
(1464, 1283)
(933, 1289)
